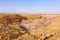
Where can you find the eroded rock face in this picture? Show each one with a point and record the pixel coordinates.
(17, 27)
(10, 27)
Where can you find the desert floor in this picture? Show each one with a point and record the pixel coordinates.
(30, 27)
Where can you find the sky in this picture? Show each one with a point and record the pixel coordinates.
(29, 5)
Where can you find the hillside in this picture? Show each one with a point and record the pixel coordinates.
(30, 27)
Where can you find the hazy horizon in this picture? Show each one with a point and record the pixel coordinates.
(29, 5)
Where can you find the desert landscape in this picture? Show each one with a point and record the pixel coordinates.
(29, 27)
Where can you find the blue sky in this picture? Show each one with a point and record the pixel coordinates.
(29, 5)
